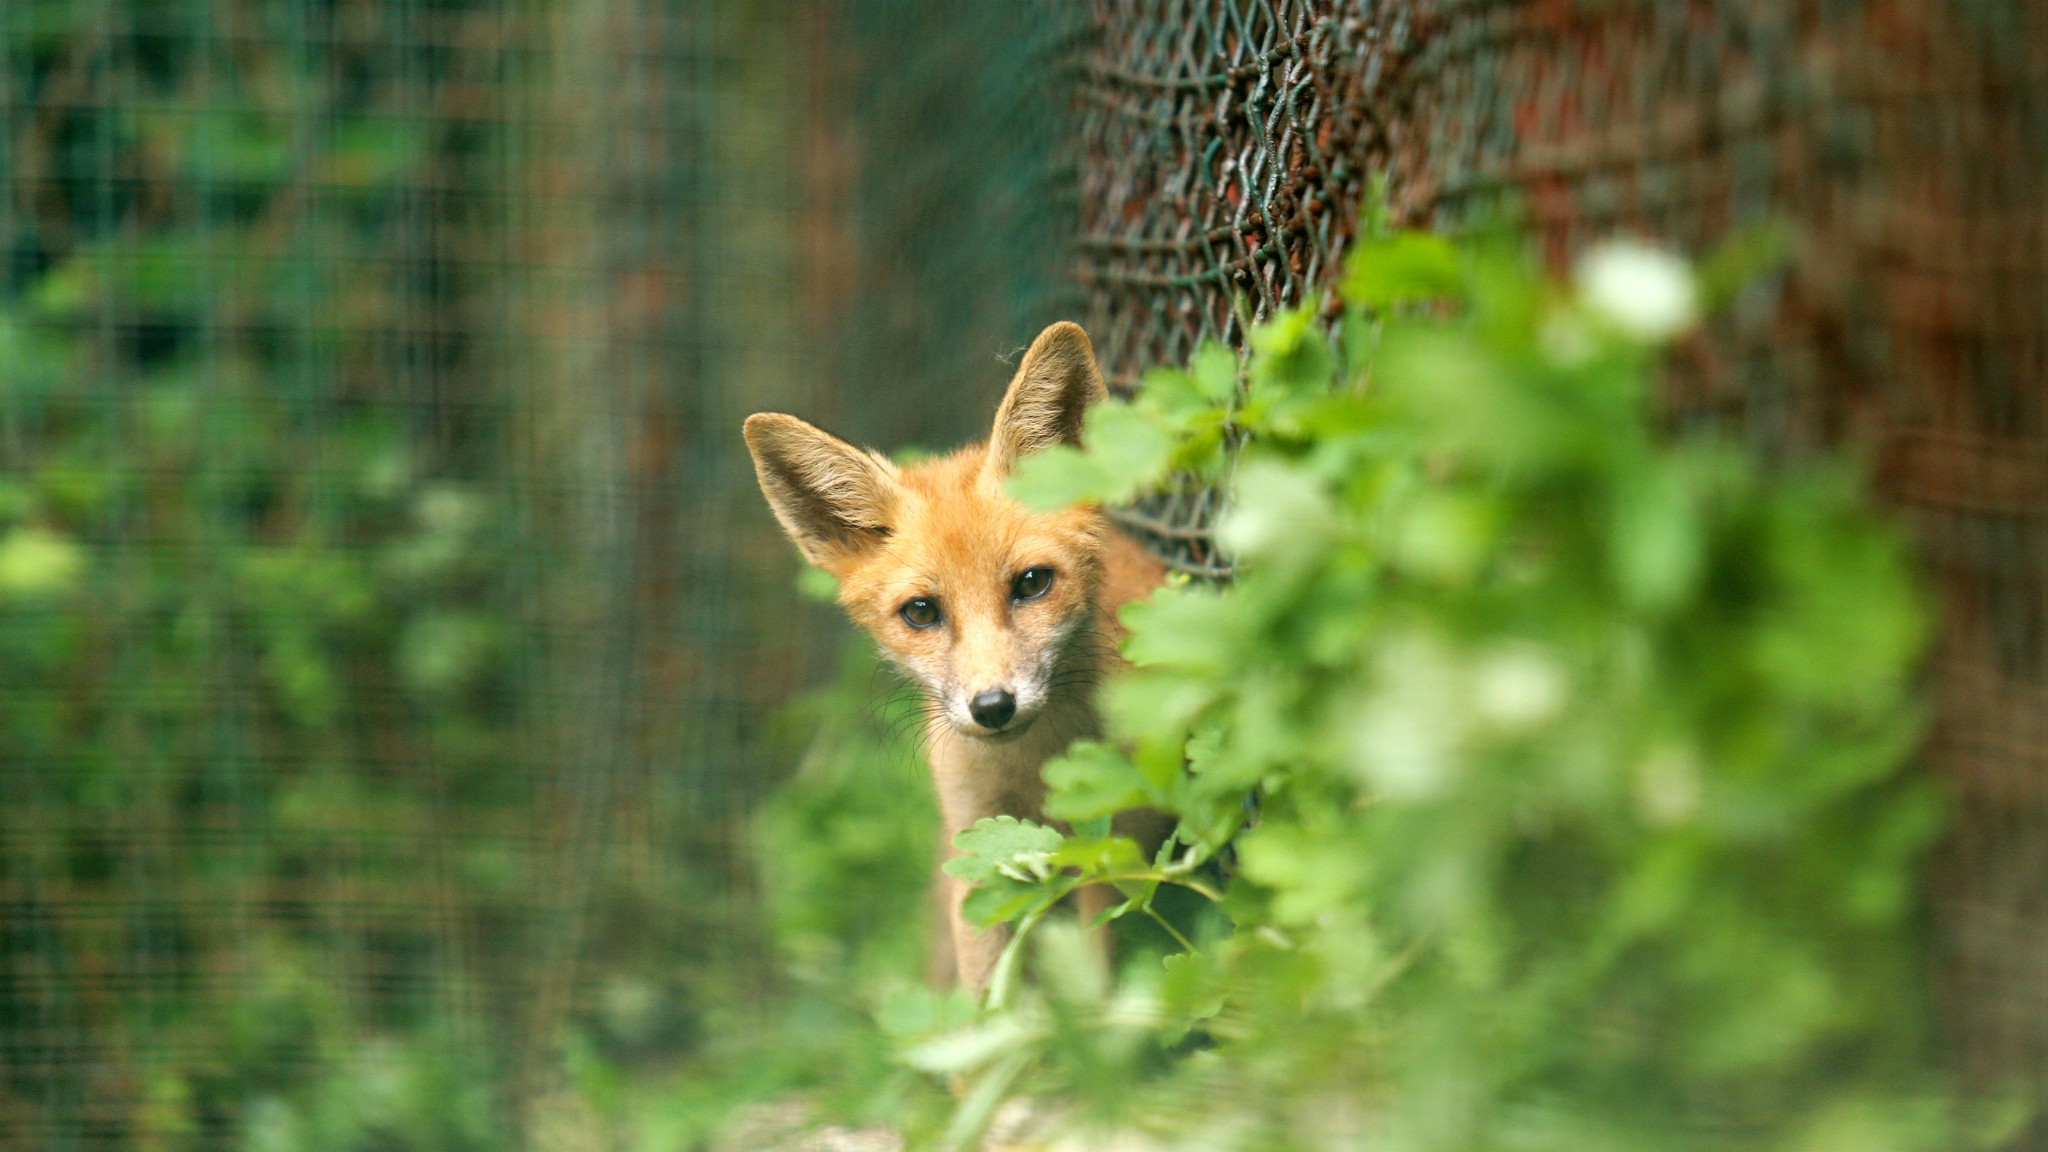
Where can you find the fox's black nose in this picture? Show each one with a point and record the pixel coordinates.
(993, 708)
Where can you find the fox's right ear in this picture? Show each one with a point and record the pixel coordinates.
(833, 499)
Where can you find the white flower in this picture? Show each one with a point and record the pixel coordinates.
(1646, 292)
(1518, 687)
(1406, 740)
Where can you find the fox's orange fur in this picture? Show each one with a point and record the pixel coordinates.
(1007, 667)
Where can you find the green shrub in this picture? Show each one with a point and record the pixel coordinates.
(1561, 757)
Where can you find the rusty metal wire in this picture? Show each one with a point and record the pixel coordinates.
(1227, 149)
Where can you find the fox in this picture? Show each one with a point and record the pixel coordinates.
(1005, 618)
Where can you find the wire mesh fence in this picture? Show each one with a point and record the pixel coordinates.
(941, 210)
(379, 633)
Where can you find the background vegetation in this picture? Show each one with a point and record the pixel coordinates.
(371, 712)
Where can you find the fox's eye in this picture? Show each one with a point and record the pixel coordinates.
(920, 612)
(1031, 583)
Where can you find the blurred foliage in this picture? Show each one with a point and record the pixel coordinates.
(1562, 756)
(845, 854)
(239, 613)
(282, 578)
(846, 848)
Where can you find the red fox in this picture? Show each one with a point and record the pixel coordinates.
(1003, 616)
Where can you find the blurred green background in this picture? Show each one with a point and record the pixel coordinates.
(389, 628)
(394, 653)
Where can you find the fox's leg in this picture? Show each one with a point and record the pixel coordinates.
(1091, 900)
(939, 967)
(961, 952)
(975, 949)
(970, 788)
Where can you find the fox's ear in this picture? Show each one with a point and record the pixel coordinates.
(1053, 388)
(833, 499)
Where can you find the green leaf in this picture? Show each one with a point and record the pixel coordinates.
(1101, 857)
(1311, 873)
(1004, 847)
(1130, 444)
(1001, 899)
(1129, 448)
(1291, 369)
(1279, 515)
(1655, 540)
(1058, 477)
(1092, 779)
(1214, 371)
(1402, 268)
(817, 584)
(967, 1049)
(37, 564)
(1012, 864)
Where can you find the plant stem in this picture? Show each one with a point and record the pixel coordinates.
(1153, 874)
(1186, 945)
(1005, 976)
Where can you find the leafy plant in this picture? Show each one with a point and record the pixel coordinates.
(1562, 755)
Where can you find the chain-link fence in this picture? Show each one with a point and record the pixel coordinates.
(1227, 153)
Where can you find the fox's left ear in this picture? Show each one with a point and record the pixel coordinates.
(1053, 388)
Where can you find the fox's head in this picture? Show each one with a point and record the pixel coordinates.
(988, 604)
